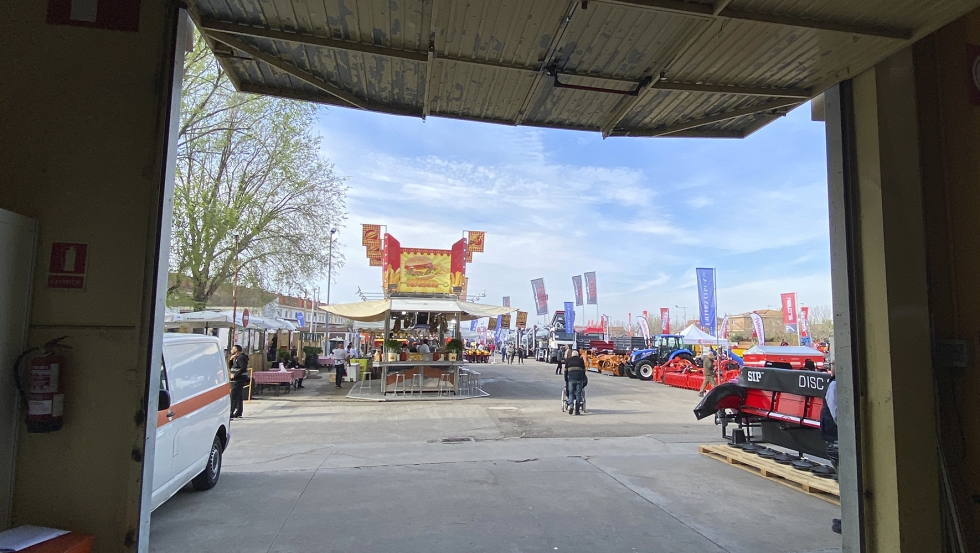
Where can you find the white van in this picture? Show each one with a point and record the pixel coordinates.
(193, 421)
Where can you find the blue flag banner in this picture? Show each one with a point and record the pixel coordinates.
(473, 325)
(569, 317)
(496, 334)
(706, 300)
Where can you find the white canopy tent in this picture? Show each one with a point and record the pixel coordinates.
(374, 310)
(694, 336)
(223, 319)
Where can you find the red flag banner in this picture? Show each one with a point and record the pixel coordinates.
(788, 303)
(577, 283)
(591, 291)
(665, 320)
(540, 297)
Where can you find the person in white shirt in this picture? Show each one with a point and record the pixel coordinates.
(424, 346)
(339, 363)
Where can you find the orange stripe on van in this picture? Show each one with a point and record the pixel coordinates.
(191, 404)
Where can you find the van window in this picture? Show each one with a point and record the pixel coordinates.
(193, 368)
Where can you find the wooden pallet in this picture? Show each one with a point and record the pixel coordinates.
(825, 488)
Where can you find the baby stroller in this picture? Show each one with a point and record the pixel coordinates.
(564, 399)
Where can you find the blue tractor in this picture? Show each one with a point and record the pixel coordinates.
(664, 347)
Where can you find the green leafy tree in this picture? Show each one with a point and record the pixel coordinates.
(249, 166)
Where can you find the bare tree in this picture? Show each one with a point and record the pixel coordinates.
(249, 166)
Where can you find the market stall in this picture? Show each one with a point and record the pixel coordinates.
(423, 354)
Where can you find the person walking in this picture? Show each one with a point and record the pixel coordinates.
(238, 368)
(510, 354)
(709, 372)
(339, 363)
(576, 379)
(521, 354)
(828, 431)
(561, 359)
(503, 353)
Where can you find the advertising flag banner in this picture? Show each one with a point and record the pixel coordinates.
(804, 326)
(591, 292)
(758, 329)
(492, 323)
(522, 320)
(706, 300)
(475, 240)
(665, 320)
(370, 234)
(540, 298)
(569, 317)
(577, 283)
(473, 325)
(724, 328)
(788, 301)
(506, 301)
(644, 328)
(504, 321)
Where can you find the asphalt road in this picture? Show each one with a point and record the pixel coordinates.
(314, 471)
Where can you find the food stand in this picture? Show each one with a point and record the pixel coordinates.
(409, 320)
(423, 306)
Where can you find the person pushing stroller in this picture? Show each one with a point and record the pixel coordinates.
(576, 380)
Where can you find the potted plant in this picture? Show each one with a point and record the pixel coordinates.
(311, 355)
(392, 347)
(454, 348)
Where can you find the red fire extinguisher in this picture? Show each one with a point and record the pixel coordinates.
(44, 395)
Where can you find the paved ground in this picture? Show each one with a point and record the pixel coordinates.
(315, 472)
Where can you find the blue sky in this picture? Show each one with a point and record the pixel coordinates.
(641, 212)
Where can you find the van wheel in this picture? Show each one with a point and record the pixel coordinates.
(209, 476)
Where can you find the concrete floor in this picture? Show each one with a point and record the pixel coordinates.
(312, 471)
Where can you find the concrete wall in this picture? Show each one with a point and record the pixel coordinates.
(950, 126)
(82, 138)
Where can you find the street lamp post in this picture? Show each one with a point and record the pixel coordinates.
(684, 309)
(330, 264)
(234, 300)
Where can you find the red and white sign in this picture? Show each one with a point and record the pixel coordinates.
(804, 322)
(68, 265)
(245, 317)
(788, 301)
(664, 320)
(113, 15)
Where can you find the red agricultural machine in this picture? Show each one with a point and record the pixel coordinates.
(775, 395)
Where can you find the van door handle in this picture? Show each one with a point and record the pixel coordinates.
(170, 414)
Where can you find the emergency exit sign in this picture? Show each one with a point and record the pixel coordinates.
(113, 15)
(68, 265)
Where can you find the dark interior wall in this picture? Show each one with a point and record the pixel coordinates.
(949, 124)
(83, 115)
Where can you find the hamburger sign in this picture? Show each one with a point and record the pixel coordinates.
(423, 271)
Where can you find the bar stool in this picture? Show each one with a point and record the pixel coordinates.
(417, 381)
(399, 377)
(446, 384)
(366, 378)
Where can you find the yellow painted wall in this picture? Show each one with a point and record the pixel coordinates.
(952, 175)
(82, 121)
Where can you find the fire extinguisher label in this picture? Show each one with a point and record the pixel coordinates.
(57, 405)
(39, 407)
(44, 379)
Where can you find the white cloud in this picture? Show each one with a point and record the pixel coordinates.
(641, 213)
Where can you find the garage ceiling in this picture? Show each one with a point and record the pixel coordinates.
(622, 68)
